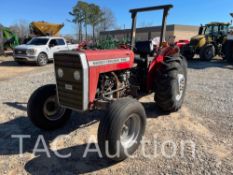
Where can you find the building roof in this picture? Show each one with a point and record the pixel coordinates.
(171, 27)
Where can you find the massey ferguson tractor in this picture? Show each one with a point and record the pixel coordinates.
(113, 80)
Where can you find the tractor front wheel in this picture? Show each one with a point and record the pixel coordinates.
(121, 130)
(208, 52)
(44, 111)
(170, 84)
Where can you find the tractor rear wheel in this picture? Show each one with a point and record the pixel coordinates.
(121, 130)
(229, 51)
(44, 111)
(170, 84)
(208, 52)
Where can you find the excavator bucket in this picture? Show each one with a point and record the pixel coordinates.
(45, 29)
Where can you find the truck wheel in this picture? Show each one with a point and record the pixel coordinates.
(170, 84)
(207, 52)
(42, 59)
(44, 110)
(121, 130)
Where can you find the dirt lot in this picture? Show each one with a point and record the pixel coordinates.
(9, 68)
(206, 120)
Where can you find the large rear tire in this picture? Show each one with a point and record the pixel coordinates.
(170, 84)
(229, 51)
(121, 130)
(44, 111)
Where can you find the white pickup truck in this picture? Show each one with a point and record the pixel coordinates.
(41, 50)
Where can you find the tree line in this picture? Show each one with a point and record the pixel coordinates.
(89, 18)
(87, 15)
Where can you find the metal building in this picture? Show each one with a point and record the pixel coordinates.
(148, 33)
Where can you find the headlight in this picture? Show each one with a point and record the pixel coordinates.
(31, 51)
(60, 73)
(77, 75)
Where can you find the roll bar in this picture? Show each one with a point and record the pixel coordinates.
(134, 12)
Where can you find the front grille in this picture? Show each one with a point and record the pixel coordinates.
(70, 91)
(20, 51)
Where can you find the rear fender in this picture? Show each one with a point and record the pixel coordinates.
(169, 54)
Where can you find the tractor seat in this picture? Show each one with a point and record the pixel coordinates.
(144, 48)
(170, 51)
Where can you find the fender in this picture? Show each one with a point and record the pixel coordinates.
(170, 53)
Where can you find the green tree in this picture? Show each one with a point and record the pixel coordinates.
(79, 14)
(109, 20)
(86, 10)
(95, 17)
(85, 14)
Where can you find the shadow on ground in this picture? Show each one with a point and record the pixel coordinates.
(23, 126)
(9, 145)
(42, 164)
(153, 111)
(17, 105)
(14, 64)
(201, 64)
(75, 164)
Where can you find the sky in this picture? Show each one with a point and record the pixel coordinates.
(186, 12)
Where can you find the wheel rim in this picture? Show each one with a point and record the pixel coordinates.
(42, 60)
(130, 131)
(181, 86)
(52, 111)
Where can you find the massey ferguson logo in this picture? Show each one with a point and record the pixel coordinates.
(108, 61)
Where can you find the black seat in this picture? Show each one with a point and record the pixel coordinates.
(144, 48)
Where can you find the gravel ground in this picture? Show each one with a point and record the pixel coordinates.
(206, 121)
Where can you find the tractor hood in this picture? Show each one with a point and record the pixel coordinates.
(198, 37)
(198, 41)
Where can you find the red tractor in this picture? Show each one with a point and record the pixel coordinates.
(113, 80)
(182, 43)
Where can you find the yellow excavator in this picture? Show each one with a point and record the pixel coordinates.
(42, 28)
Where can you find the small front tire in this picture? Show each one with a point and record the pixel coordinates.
(121, 130)
(44, 111)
